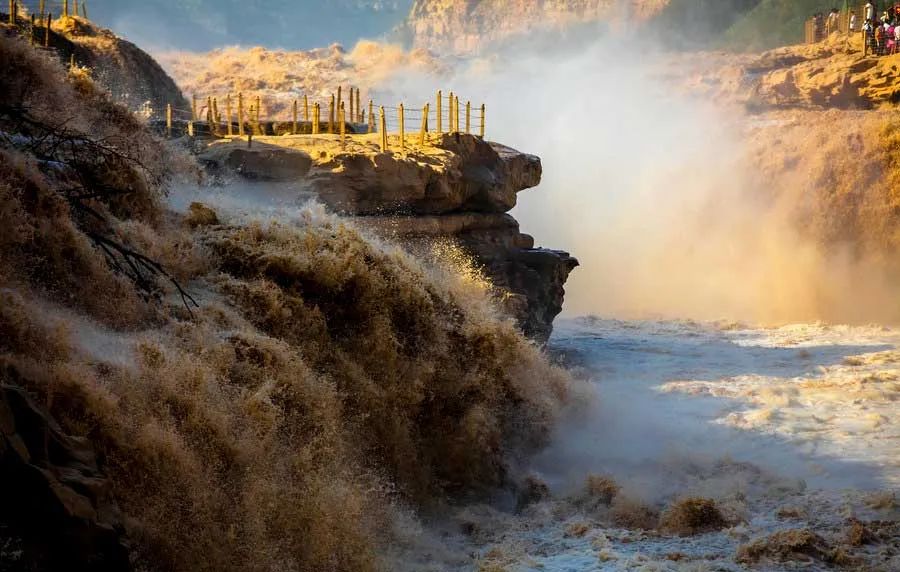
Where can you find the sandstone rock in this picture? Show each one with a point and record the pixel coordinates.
(52, 495)
(454, 173)
(463, 26)
(826, 75)
(201, 215)
(470, 175)
(268, 164)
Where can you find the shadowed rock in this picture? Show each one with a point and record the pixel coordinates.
(53, 498)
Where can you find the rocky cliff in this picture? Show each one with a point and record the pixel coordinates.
(455, 188)
(130, 75)
(832, 74)
(463, 26)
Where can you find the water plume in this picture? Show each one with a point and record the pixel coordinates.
(682, 206)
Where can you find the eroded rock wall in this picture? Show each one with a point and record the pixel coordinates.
(463, 26)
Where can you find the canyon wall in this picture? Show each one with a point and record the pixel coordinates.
(465, 26)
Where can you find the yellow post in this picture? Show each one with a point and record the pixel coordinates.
(450, 113)
(468, 117)
(384, 134)
(351, 104)
(215, 107)
(194, 107)
(482, 121)
(65, 8)
(47, 30)
(169, 120)
(340, 100)
(316, 118)
(305, 108)
(424, 130)
(440, 120)
(294, 126)
(191, 128)
(240, 114)
(331, 114)
(343, 125)
(228, 112)
(209, 114)
(456, 114)
(12, 12)
(371, 116)
(358, 108)
(258, 107)
(402, 129)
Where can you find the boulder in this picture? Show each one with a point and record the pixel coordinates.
(455, 172)
(267, 164)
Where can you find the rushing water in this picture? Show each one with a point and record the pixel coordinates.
(790, 427)
(812, 401)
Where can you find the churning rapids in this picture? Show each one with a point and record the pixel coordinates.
(790, 428)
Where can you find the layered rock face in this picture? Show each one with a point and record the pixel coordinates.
(832, 74)
(463, 26)
(456, 188)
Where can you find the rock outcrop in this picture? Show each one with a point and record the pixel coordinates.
(55, 505)
(131, 76)
(456, 187)
(128, 73)
(833, 74)
(463, 26)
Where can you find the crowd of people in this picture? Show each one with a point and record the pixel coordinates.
(882, 32)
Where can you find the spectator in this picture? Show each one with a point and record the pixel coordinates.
(835, 17)
(879, 40)
(852, 22)
(870, 12)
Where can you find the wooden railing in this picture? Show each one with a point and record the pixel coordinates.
(243, 116)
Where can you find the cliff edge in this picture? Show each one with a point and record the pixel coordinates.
(456, 188)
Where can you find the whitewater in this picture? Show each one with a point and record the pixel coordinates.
(786, 428)
(783, 427)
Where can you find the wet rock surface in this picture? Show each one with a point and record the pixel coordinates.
(56, 507)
